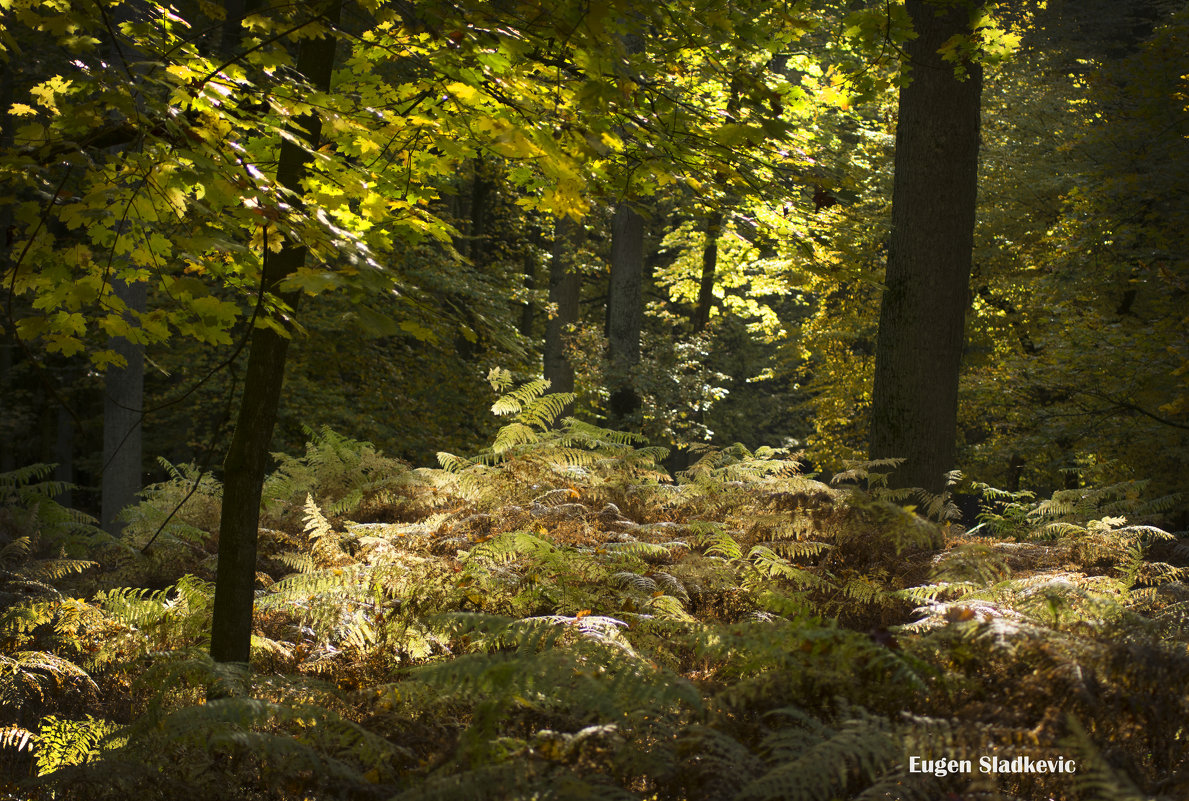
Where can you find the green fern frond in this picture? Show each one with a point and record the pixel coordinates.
(645, 550)
(771, 565)
(16, 551)
(817, 765)
(870, 470)
(316, 524)
(54, 569)
(633, 581)
(1095, 777)
(451, 463)
(297, 562)
(720, 544)
(72, 742)
(500, 379)
(512, 436)
(173, 617)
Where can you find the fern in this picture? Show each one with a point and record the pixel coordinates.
(28, 509)
(346, 475)
(174, 617)
(61, 743)
(32, 679)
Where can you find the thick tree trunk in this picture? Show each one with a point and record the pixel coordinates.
(922, 316)
(8, 345)
(123, 405)
(247, 458)
(564, 288)
(625, 314)
(701, 316)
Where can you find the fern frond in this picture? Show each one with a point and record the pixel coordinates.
(511, 436)
(818, 765)
(71, 742)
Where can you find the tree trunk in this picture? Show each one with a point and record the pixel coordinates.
(247, 458)
(8, 456)
(625, 315)
(480, 190)
(701, 316)
(123, 412)
(8, 459)
(530, 283)
(564, 288)
(234, 12)
(922, 316)
(64, 457)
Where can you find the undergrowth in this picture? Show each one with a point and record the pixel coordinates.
(558, 618)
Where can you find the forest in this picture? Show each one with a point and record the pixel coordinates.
(674, 401)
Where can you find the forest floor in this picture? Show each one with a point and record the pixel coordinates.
(562, 620)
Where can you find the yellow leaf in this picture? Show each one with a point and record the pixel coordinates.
(463, 92)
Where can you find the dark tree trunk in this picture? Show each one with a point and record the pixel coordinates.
(247, 458)
(233, 22)
(8, 460)
(64, 456)
(701, 316)
(918, 355)
(564, 288)
(123, 412)
(625, 314)
(8, 457)
(480, 190)
(530, 283)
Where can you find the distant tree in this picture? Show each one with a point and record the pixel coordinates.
(564, 287)
(625, 312)
(700, 317)
(123, 412)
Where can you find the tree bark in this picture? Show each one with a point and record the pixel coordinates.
(527, 312)
(701, 316)
(123, 412)
(247, 458)
(922, 315)
(564, 288)
(625, 314)
(480, 190)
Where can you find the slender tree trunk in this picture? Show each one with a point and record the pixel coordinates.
(564, 286)
(480, 190)
(247, 458)
(922, 316)
(123, 412)
(625, 314)
(527, 312)
(701, 316)
(64, 456)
